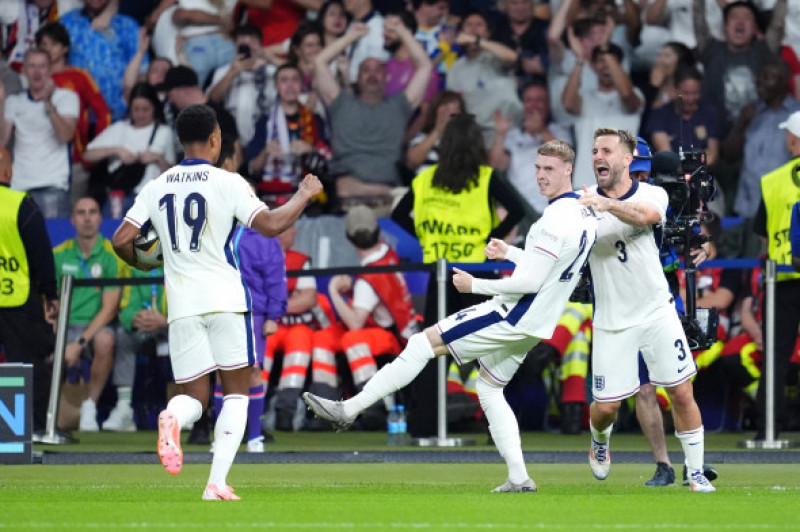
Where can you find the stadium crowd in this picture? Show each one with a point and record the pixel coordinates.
(360, 93)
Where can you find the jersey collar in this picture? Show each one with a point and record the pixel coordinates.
(628, 194)
(564, 195)
(193, 162)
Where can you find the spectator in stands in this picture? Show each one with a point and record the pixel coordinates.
(181, 86)
(245, 86)
(434, 34)
(380, 318)
(103, 51)
(28, 281)
(43, 121)
(588, 33)
(730, 66)
(368, 129)
(370, 44)
(94, 113)
(400, 66)
(678, 18)
(21, 33)
(142, 330)
(305, 45)
(753, 137)
(462, 192)
(615, 102)
(333, 19)
(779, 193)
(673, 57)
(279, 19)
(484, 75)
(89, 335)
(204, 27)
(423, 149)
(156, 70)
(522, 32)
(286, 141)
(689, 121)
(136, 150)
(515, 146)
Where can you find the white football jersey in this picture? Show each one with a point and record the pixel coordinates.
(627, 277)
(567, 232)
(195, 207)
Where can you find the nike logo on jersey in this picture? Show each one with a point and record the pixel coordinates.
(683, 368)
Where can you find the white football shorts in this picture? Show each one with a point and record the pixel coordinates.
(202, 344)
(481, 333)
(615, 364)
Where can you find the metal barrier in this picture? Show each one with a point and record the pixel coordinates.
(51, 436)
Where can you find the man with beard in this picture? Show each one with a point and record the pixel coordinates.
(624, 323)
(368, 128)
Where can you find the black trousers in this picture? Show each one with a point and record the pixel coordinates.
(422, 391)
(787, 320)
(28, 338)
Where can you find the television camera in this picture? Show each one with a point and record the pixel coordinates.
(689, 187)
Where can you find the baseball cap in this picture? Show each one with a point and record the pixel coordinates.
(792, 124)
(641, 156)
(180, 76)
(360, 218)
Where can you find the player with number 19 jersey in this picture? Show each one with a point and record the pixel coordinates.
(195, 207)
(626, 257)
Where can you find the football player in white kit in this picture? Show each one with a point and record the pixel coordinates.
(633, 308)
(195, 207)
(500, 332)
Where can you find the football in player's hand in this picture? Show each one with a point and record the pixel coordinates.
(147, 247)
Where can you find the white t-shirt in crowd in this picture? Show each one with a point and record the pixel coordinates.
(136, 140)
(194, 207)
(40, 158)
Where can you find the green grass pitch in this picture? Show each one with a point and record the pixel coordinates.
(386, 496)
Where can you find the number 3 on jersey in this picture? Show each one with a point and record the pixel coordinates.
(194, 215)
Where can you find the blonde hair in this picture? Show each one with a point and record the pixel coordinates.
(559, 149)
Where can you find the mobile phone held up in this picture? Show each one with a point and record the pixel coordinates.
(243, 51)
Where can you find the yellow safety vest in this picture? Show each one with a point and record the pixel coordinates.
(781, 190)
(452, 226)
(15, 283)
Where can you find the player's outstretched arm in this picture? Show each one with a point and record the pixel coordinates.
(123, 245)
(635, 213)
(272, 223)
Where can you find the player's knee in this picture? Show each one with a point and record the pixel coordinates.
(606, 409)
(420, 346)
(488, 391)
(681, 396)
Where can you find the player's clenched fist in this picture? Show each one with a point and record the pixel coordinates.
(462, 281)
(310, 185)
(496, 249)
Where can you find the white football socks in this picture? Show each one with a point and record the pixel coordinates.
(693, 443)
(186, 410)
(601, 436)
(228, 432)
(394, 376)
(504, 429)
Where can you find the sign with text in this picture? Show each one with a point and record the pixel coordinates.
(16, 413)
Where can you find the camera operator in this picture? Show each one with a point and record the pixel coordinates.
(648, 411)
